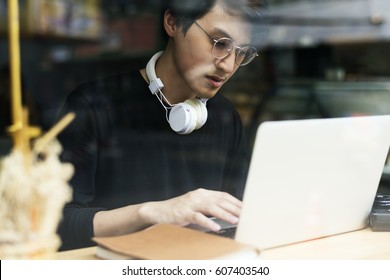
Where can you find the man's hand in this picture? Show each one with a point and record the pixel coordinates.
(194, 208)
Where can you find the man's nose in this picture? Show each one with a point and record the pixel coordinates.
(227, 64)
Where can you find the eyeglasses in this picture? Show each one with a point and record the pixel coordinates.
(225, 46)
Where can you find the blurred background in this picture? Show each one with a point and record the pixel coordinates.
(320, 59)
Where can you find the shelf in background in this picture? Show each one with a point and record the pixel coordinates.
(65, 19)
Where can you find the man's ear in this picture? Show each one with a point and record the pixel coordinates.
(169, 23)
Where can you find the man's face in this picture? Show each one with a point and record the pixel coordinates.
(201, 72)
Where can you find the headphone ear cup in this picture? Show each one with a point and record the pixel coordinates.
(201, 111)
(183, 118)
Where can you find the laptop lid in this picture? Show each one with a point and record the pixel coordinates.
(312, 178)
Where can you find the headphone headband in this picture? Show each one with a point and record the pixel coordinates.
(155, 84)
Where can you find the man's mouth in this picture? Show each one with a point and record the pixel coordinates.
(216, 81)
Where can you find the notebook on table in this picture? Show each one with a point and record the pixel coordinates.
(312, 178)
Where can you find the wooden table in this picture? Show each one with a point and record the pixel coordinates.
(362, 244)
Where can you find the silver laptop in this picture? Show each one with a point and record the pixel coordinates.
(312, 178)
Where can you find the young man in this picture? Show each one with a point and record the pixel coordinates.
(160, 145)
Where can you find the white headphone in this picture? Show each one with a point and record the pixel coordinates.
(184, 117)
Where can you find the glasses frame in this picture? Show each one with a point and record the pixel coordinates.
(238, 49)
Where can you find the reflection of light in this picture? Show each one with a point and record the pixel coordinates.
(306, 41)
(61, 54)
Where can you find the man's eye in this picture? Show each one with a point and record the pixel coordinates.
(221, 44)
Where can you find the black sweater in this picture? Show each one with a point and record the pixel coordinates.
(124, 152)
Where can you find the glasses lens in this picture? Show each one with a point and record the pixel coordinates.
(222, 47)
(245, 55)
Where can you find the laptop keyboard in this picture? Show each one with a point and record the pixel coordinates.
(229, 232)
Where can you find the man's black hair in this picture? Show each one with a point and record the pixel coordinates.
(188, 11)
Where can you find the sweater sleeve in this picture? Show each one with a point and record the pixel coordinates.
(79, 141)
(76, 228)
